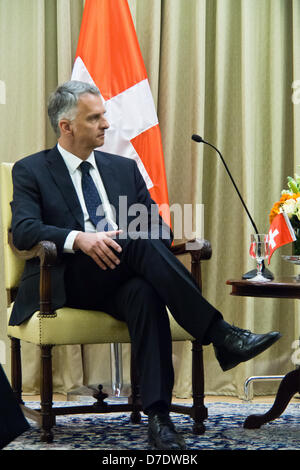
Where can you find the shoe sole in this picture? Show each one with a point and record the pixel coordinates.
(235, 360)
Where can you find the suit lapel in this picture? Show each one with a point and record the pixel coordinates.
(63, 180)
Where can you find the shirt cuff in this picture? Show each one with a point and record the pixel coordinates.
(69, 241)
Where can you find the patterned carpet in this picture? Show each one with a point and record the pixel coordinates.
(224, 431)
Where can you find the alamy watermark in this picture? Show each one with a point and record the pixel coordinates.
(143, 221)
(296, 92)
(2, 92)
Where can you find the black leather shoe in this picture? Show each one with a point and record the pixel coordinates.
(241, 345)
(162, 433)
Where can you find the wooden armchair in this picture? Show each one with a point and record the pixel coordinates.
(48, 328)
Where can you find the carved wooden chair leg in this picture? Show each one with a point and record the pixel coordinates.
(134, 398)
(100, 396)
(199, 411)
(47, 417)
(16, 369)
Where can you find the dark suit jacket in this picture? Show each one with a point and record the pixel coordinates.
(12, 420)
(45, 206)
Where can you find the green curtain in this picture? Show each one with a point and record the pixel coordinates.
(221, 68)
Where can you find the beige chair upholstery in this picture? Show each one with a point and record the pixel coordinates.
(48, 328)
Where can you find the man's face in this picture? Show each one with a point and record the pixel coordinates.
(89, 125)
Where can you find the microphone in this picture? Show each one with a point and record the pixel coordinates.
(266, 273)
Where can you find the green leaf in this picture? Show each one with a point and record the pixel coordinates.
(292, 184)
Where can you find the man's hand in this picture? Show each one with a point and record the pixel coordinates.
(100, 246)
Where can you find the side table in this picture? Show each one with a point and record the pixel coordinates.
(285, 288)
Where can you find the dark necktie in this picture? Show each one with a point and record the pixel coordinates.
(90, 194)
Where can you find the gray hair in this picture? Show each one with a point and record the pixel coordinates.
(63, 101)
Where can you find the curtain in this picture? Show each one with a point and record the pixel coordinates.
(221, 68)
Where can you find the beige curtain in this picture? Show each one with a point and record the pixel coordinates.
(220, 68)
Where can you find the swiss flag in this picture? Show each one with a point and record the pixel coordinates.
(108, 55)
(281, 232)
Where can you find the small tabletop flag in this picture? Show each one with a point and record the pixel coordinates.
(281, 233)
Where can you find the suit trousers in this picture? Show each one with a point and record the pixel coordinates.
(137, 291)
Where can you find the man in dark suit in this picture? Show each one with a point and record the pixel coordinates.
(107, 261)
(12, 420)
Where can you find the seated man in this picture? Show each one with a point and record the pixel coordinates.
(103, 265)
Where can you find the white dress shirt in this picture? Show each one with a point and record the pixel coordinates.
(72, 162)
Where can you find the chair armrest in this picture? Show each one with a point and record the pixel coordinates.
(199, 249)
(46, 251)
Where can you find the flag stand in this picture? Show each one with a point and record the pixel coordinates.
(265, 272)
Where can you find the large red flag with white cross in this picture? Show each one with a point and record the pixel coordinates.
(108, 55)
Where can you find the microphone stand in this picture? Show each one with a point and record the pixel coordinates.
(250, 274)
